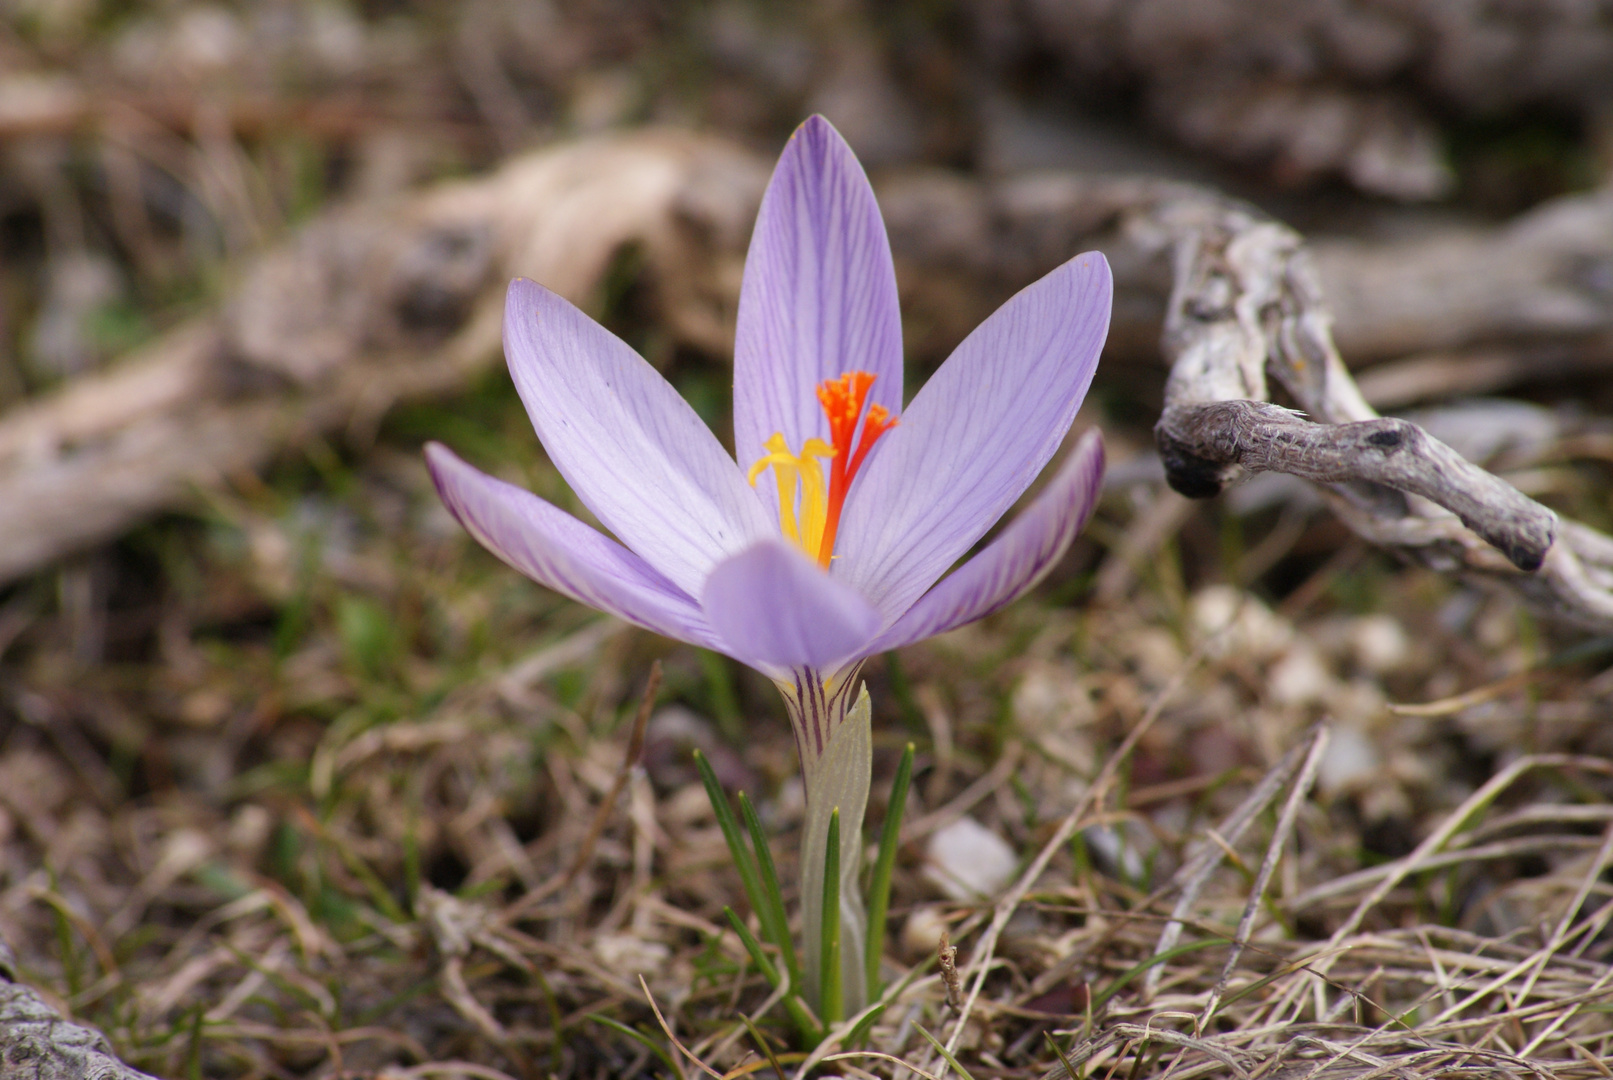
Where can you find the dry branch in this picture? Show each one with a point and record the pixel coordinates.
(366, 307)
(371, 305)
(38, 1043)
(1247, 303)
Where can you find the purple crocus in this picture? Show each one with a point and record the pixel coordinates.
(702, 557)
(831, 537)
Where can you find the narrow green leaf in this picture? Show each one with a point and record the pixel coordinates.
(380, 895)
(805, 1022)
(730, 832)
(752, 946)
(857, 1034)
(411, 865)
(557, 1021)
(1101, 998)
(944, 1052)
(193, 1052)
(1069, 1069)
(724, 702)
(764, 1045)
(879, 887)
(829, 970)
(775, 923)
(639, 1037)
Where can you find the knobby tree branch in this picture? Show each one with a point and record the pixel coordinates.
(1246, 305)
(37, 1043)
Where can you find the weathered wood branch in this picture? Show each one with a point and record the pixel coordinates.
(37, 1043)
(1247, 304)
(1202, 443)
(365, 308)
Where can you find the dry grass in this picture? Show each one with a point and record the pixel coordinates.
(330, 808)
(304, 784)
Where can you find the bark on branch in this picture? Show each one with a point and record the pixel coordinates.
(1202, 442)
(1247, 304)
(36, 1043)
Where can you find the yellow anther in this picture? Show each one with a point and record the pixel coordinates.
(803, 497)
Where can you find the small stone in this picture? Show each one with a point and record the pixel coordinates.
(1050, 698)
(249, 830)
(921, 934)
(205, 707)
(630, 955)
(1233, 623)
(688, 805)
(1379, 644)
(1156, 653)
(967, 861)
(1350, 761)
(1299, 678)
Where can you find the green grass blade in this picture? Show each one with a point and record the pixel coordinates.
(639, 1037)
(944, 1052)
(805, 1022)
(775, 923)
(879, 887)
(764, 1045)
(730, 831)
(857, 1034)
(754, 947)
(1069, 1069)
(829, 970)
(411, 865)
(1101, 998)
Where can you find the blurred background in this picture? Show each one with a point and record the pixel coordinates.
(261, 700)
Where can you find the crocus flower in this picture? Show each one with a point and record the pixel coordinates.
(831, 537)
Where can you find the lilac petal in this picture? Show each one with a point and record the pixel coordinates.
(775, 610)
(554, 549)
(1015, 560)
(632, 449)
(975, 436)
(818, 298)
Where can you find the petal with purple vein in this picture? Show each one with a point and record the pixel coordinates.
(975, 437)
(1016, 560)
(818, 297)
(774, 609)
(632, 449)
(554, 549)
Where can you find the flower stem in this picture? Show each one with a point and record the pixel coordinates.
(837, 779)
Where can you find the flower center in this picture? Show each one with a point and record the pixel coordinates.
(809, 509)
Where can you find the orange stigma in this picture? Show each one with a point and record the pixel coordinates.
(809, 509)
(842, 400)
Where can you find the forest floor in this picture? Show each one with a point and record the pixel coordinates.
(300, 782)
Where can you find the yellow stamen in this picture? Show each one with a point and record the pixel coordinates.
(803, 497)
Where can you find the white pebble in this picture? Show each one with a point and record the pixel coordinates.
(921, 934)
(1299, 678)
(967, 861)
(1233, 623)
(628, 954)
(1380, 644)
(1350, 761)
